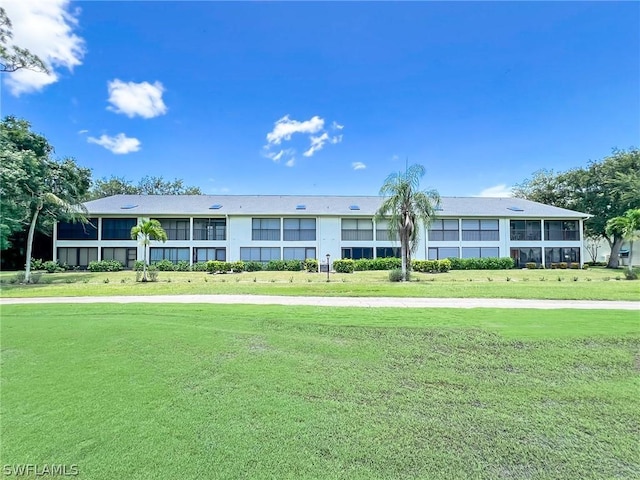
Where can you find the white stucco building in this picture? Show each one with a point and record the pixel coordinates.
(266, 227)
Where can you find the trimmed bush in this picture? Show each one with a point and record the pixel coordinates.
(631, 275)
(105, 266)
(138, 265)
(199, 267)
(216, 266)
(345, 265)
(37, 264)
(386, 263)
(311, 265)
(53, 267)
(431, 266)
(165, 266)
(182, 266)
(237, 266)
(444, 265)
(489, 263)
(562, 265)
(531, 265)
(253, 266)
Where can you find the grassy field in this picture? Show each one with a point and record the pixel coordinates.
(215, 391)
(594, 284)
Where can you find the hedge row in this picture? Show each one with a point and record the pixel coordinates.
(489, 263)
(105, 266)
(431, 266)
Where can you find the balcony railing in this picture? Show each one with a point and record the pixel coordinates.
(525, 235)
(480, 235)
(357, 235)
(562, 235)
(305, 234)
(210, 233)
(177, 233)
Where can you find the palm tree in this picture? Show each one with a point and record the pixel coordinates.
(627, 226)
(405, 206)
(145, 231)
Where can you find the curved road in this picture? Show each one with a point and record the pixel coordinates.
(367, 302)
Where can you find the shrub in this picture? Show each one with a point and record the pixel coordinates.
(182, 266)
(53, 267)
(18, 277)
(395, 275)
(37, 264)
(631, 275)
(575, 266)
(311, 265)
(237, 266)
(253, 266)
(216, 266)
(138, 265)
(105, 266)
(164, 266)
(562, 265)
(275, 265)
(531, 265)
(199, 267)
(585, 266)
(345, 265)
(383, 263)
(444, 265)
(153, 273)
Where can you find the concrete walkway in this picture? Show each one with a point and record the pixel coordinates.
(365, 302)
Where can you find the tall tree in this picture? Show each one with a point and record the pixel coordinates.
(604, 189)
(13, 57)
(144, 232)
(628, 227)
(36, 190)
(405, 206)
(148, 185)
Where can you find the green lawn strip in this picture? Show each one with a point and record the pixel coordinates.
(229, 391)
(594, 284)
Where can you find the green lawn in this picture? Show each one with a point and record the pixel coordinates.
(593, 284)
(231, 391)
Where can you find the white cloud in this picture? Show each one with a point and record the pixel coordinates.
(143, 99)
(496, 191)
(46, 29)
(358, 166)
(120, 144)
(82, 132)
(284, 128)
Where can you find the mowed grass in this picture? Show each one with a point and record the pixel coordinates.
(593, 284)
(232, 391)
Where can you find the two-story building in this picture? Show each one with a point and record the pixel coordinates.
(266, 227)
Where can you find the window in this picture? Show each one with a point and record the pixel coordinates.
(522, 256)
(561, 254)
(480, 231)
(117, 228)
(387, 252)
(259, 254)
(78, 230)
(357, 252)
(176, 228)
(299, 253)
(77, 257)
(299, 229)
(480, 252)
(525, 230)
(265, 229)
(357, 229)
(440, 253)
(382, 232)
(206, 254)
(444, 230)
(209, 229)
(562, 230)
(126, 256)
(174, 255)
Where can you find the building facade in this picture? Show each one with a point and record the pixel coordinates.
(263, 227)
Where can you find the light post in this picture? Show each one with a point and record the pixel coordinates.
(328, 256)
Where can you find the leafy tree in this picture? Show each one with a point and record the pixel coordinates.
(405, 206)
(604, 189)
(12, 57)
(35, 189)
(627, 226)
(146, 231)
(148, 185)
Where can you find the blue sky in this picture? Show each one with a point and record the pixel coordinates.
(329, 98)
